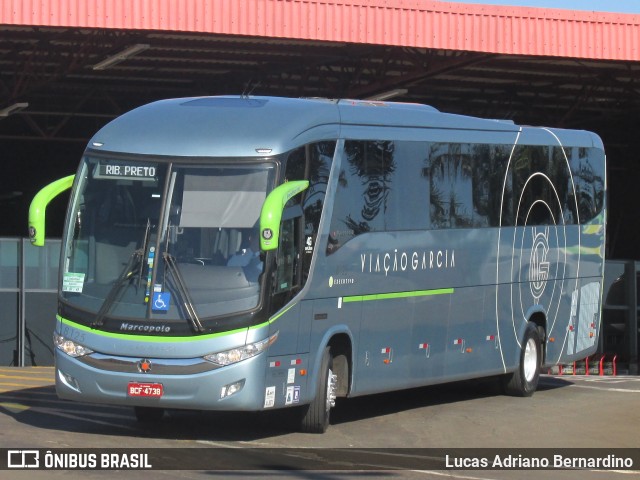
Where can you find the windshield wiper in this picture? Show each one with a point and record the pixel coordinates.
(133, 266)
(183, 292)
(144, 250)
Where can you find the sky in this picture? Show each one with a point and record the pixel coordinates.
(618, 6)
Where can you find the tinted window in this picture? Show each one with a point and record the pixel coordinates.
(450, 173)
(382, 186)
(295, 170)
(535, 202)
(319, 168)
(407, 202)
(320, 158)
(311, 162)
(587, 167)
(364, 183)
(488, 166)
(391, 186)
(561, 177)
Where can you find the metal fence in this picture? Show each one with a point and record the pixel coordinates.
(620, 332)
(28, 295)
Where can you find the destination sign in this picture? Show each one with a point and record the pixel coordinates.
(130, 172)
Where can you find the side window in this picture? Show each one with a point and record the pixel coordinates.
(553, 193)
(407, 202)
(391, 186)
(587, 167)
(364, 182)
(286, 257)
(597, 164)
(521, 170)
(320, 158)
(371, 165)
(295, 170)
(561, 178)
(311, 162)
(450, 174)
(488, 165)
(535, 202)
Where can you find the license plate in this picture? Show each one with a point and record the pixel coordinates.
(145, 390)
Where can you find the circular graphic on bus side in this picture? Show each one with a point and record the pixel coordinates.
(538, 229)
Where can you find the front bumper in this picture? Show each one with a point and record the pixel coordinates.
(187, 383)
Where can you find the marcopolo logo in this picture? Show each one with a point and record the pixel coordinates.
(131, 327)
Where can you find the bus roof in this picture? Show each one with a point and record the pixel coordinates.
(238, 126)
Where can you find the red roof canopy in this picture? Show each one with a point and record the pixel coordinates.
(414, 23)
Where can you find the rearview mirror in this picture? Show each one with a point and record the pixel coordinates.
(272, 209)
(38, 208)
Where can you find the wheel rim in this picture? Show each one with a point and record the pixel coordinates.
(530, 360)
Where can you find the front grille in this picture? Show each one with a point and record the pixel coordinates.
(164, 366)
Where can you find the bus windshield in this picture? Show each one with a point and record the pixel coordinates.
(165, 240)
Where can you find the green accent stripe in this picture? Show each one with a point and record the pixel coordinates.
(150, 338)
(386, 296)
(275, 317)
(158, 339)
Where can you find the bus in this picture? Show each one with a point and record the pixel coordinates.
(237, 253)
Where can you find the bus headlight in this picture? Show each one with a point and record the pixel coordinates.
(70, 347)
(241, 353)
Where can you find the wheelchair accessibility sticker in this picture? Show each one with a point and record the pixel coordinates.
(161, 301)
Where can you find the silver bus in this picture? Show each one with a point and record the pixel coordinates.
(253, 253)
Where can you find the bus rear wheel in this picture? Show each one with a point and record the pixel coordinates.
(316, 414)
(524, 381)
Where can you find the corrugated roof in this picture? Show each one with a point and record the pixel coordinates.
(411, 23)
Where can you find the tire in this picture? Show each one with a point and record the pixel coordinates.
(316, 415)
(524, 381)
(148, 414)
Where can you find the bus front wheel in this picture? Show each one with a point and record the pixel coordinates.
(524, 381)
(316, 415)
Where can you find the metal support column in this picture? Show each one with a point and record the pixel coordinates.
(632, 315)
(22, 323)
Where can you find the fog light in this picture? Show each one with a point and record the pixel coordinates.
(231, 389)
(69, 381)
